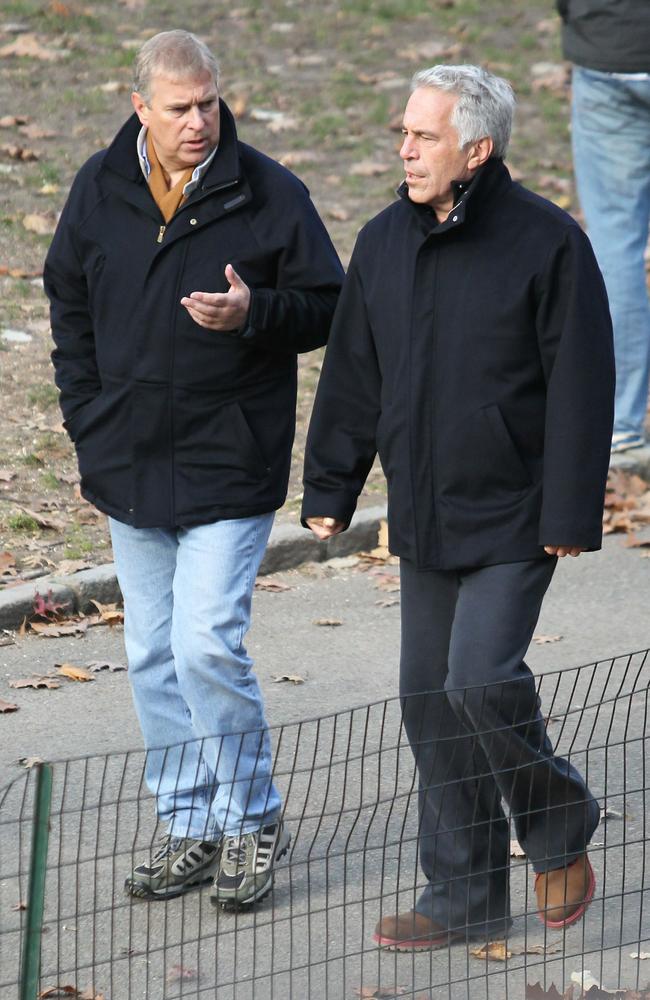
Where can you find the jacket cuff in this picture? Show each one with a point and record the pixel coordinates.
(323, 503)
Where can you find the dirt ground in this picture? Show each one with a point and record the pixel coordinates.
(315, 84)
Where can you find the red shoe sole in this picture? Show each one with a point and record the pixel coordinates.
(417, 944)
(577, 914)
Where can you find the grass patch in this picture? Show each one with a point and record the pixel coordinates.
(44, 396)
(31, 460)
(22, 522)
(49, 481)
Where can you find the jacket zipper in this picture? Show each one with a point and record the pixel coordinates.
(161, 233)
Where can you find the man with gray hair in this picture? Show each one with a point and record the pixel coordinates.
(472, 350)
(186, 273)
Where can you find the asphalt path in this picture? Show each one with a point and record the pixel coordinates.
(312, 939)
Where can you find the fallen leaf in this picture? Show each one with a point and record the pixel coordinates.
(6, 475)
(9, 121)
(44, 225)
(609, 813)
(73, 672)
(58, 991)
(97, 665)
(7, 706)
(388, 582)
(90, 994)
(70, 566)
(36, 682)
(19, 153)
(498, 951)
(369, 168)
(379, 992)
(536, 992)
(288, 678)
(387, 602)
(19, 906)
(28, 45)
(641, 955)
(8, 564)
(54, 630)
(273, 586)
(109, 613)
(516, 850)
(541, 640)
(179, 973)
(338, 213)
(298, 157)
(332, 622)
(34, 131)
(47, 607)
(30, 762)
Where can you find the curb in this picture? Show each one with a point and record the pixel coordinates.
(290, 545)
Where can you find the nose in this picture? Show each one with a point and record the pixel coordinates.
(195, 117)
(407, 149)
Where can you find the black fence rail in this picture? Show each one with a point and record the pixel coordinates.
(350, 801)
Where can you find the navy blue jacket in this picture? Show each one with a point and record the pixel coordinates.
(175, 424)
(475, 356)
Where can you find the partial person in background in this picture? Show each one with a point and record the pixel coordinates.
(186, 273)
(608, 41)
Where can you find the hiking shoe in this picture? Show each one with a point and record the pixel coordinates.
(179, 864)
(563, 894)
(246, 869)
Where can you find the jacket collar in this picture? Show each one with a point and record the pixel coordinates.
(490, 183)
(121, 164)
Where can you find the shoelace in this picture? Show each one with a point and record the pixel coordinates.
(169, 846)
(236, 851)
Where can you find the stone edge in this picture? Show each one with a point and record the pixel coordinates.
(290, 545)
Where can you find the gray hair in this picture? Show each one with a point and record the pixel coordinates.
(485, 105)
(176, 54)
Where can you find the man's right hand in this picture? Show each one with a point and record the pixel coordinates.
(325, 527)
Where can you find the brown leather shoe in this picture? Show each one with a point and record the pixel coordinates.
(412, 931)
(564, 894)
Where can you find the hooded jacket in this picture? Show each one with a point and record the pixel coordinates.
(175, 424)
(476, 357)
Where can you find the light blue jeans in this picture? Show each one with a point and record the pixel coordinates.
(187, 600)
(611, 150)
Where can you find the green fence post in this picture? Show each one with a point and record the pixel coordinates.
(31, 958)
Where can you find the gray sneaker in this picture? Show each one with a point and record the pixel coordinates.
(179, 864)
(246, 869)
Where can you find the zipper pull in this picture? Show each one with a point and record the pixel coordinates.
(161, 233)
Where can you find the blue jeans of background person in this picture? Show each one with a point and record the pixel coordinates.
(187, 600)
(611, 150)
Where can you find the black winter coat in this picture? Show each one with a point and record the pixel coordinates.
(612, 36)
(476, 357)
(175, 424)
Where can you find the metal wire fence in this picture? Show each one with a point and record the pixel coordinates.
(350, 796)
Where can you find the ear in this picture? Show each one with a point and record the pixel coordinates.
(480, 152)
(140, 108)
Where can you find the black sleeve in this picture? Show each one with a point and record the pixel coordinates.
(575, 339)
(295, 316)
(341, 440)
(74, 359)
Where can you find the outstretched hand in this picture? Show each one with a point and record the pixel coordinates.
(222, 311)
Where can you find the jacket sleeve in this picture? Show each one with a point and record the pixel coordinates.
(575, 340)
(74, 359)
(295, 315)
(341, 445)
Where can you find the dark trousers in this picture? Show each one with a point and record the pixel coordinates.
(478, 737)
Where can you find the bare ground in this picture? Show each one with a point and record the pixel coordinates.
(318, 85)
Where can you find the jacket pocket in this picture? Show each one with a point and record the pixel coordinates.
(479, 462)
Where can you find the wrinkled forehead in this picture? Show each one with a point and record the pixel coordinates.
(191, 88)
(429, 109)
